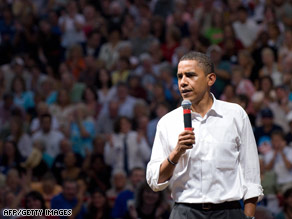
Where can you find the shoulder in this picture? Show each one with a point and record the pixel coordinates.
(230, 109)
(171, 117)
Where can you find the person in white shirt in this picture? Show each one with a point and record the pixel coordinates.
(246, 29)
(279, 159)
(49, 136)
(221, 167)
(126, 148)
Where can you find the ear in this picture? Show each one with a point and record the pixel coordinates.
(211, 77)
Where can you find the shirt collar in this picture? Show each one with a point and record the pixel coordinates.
(215, 109)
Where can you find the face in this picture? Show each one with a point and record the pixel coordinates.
(150, 197)
(125, 126)
(193, 84)
(120, 180)
(137, 176)
(277, 141)
(46, 124)
(70, 190)
(98, 200)
(33, 203)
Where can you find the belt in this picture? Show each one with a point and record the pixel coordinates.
(211, 206)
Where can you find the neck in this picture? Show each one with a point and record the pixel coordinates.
(203, 105)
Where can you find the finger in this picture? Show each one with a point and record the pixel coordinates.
(186, 137)
(187, 142)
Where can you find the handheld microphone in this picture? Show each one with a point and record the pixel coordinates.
(186, 105)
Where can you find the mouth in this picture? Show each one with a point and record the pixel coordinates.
(185, 92)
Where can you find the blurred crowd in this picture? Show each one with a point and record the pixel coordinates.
(84, 83)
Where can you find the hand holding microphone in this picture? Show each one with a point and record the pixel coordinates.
(186, 139)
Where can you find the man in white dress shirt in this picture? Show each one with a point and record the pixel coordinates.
(221, 166)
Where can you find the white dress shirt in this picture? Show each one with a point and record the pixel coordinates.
(138, 152)
(223, 164)
(284, 175)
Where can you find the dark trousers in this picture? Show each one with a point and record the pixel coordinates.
(183, 211)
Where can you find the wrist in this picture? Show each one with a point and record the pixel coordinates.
(171, 162)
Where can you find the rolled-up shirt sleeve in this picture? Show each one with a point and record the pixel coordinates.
(158, 155)
(249, 162)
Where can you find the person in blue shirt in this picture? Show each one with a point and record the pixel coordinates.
(70, 198)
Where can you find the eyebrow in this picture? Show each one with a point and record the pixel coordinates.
(188, 72)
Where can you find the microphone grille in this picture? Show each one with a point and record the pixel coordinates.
(186, 104)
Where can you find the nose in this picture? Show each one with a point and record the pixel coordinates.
(183, 81)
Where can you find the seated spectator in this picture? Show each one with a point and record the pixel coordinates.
(287, 211)
(269, 184)
(98, 206)
(222, 69)
(245, 28)
(92, 46)
(75, 61)
(70, 198)
(97, 172)
(122, 71)
(35, 200)
(120, 209)
(148, 204)
(109, 51)
(135, 88)
(105, 90)
(268, 126)
(125, 101)
(98, 145)
(71, 169)
(106, 120)
(42, 108)
(71, 23)
(161, 109)
(47, 187)
(281, 107)
(228, 94)
(265, 95)
(50, 137)
(59, 163)
(37, 161)
(21, 97)
(279, 159)
(118, 182)
(7, 109)
(10, 157)
(48, 91)
(74, 88)
(90, 98)
(270, 67)
(21, 138)
(82, 129)
(61, 109)
(169, 82)
(130, 149)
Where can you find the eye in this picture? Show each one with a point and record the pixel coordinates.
(179, 76)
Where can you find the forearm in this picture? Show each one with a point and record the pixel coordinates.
(287, 163)
(166, 168)
(250, 206)
(76, 210)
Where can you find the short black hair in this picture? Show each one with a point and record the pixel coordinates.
(203, 61)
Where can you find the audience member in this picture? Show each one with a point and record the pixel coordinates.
(279, 159)
(130, 148)
(98, 206)
(70, 198)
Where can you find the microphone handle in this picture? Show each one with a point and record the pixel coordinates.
(187, 119)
